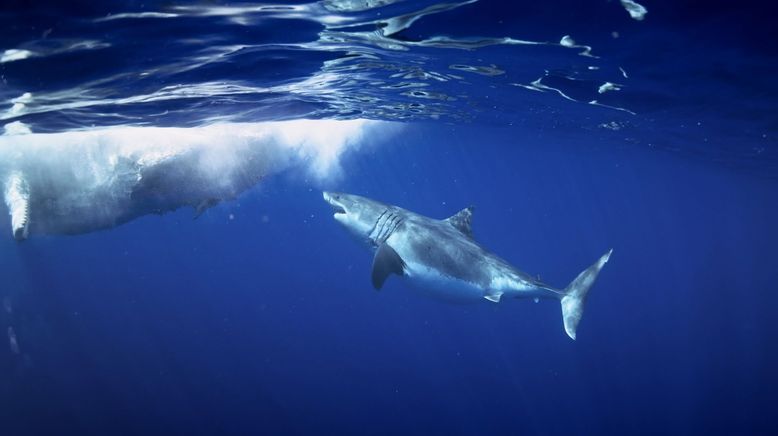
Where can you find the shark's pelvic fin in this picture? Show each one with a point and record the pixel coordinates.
(575, 295)
(17, 198)
(385, 262)
(462, 220)
(494, 297)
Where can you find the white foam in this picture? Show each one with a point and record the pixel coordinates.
(14, 54)
(130, 15)
(596, 103)
(568, 41)
(608, 86)
(17, 128)
(539, 85)
(636, 11)
(613, 125)
(19, 106)
(318, 144)
(355, 5)
(48, 47)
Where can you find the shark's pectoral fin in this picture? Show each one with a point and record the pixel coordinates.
(385, 262)
(493, 296)
(17, 198)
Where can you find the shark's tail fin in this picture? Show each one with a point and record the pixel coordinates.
(575, 295)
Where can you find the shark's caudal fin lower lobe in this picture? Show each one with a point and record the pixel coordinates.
(575, 294)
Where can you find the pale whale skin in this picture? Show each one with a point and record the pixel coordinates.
(91, 188)
(442, 258)
(82, 181)
(58, 204)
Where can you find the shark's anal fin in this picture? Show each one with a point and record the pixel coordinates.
(17, 198)
(462, 221)
(385, 262)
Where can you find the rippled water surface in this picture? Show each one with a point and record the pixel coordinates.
(602, 68)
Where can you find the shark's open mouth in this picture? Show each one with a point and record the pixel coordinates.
(332, 199)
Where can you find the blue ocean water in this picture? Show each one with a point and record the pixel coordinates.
(572, 127)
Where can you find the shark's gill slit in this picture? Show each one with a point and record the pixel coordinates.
(375, 226)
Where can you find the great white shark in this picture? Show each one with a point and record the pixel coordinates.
(443, 257)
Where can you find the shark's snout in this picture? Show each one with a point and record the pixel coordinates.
(334, 199)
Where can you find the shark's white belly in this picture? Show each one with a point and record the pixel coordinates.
(430, 282)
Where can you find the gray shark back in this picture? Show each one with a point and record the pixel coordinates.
(448, 250)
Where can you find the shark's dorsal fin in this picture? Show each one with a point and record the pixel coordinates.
(462, 220)
(385, 262)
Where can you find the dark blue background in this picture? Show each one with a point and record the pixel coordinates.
(270, 325)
